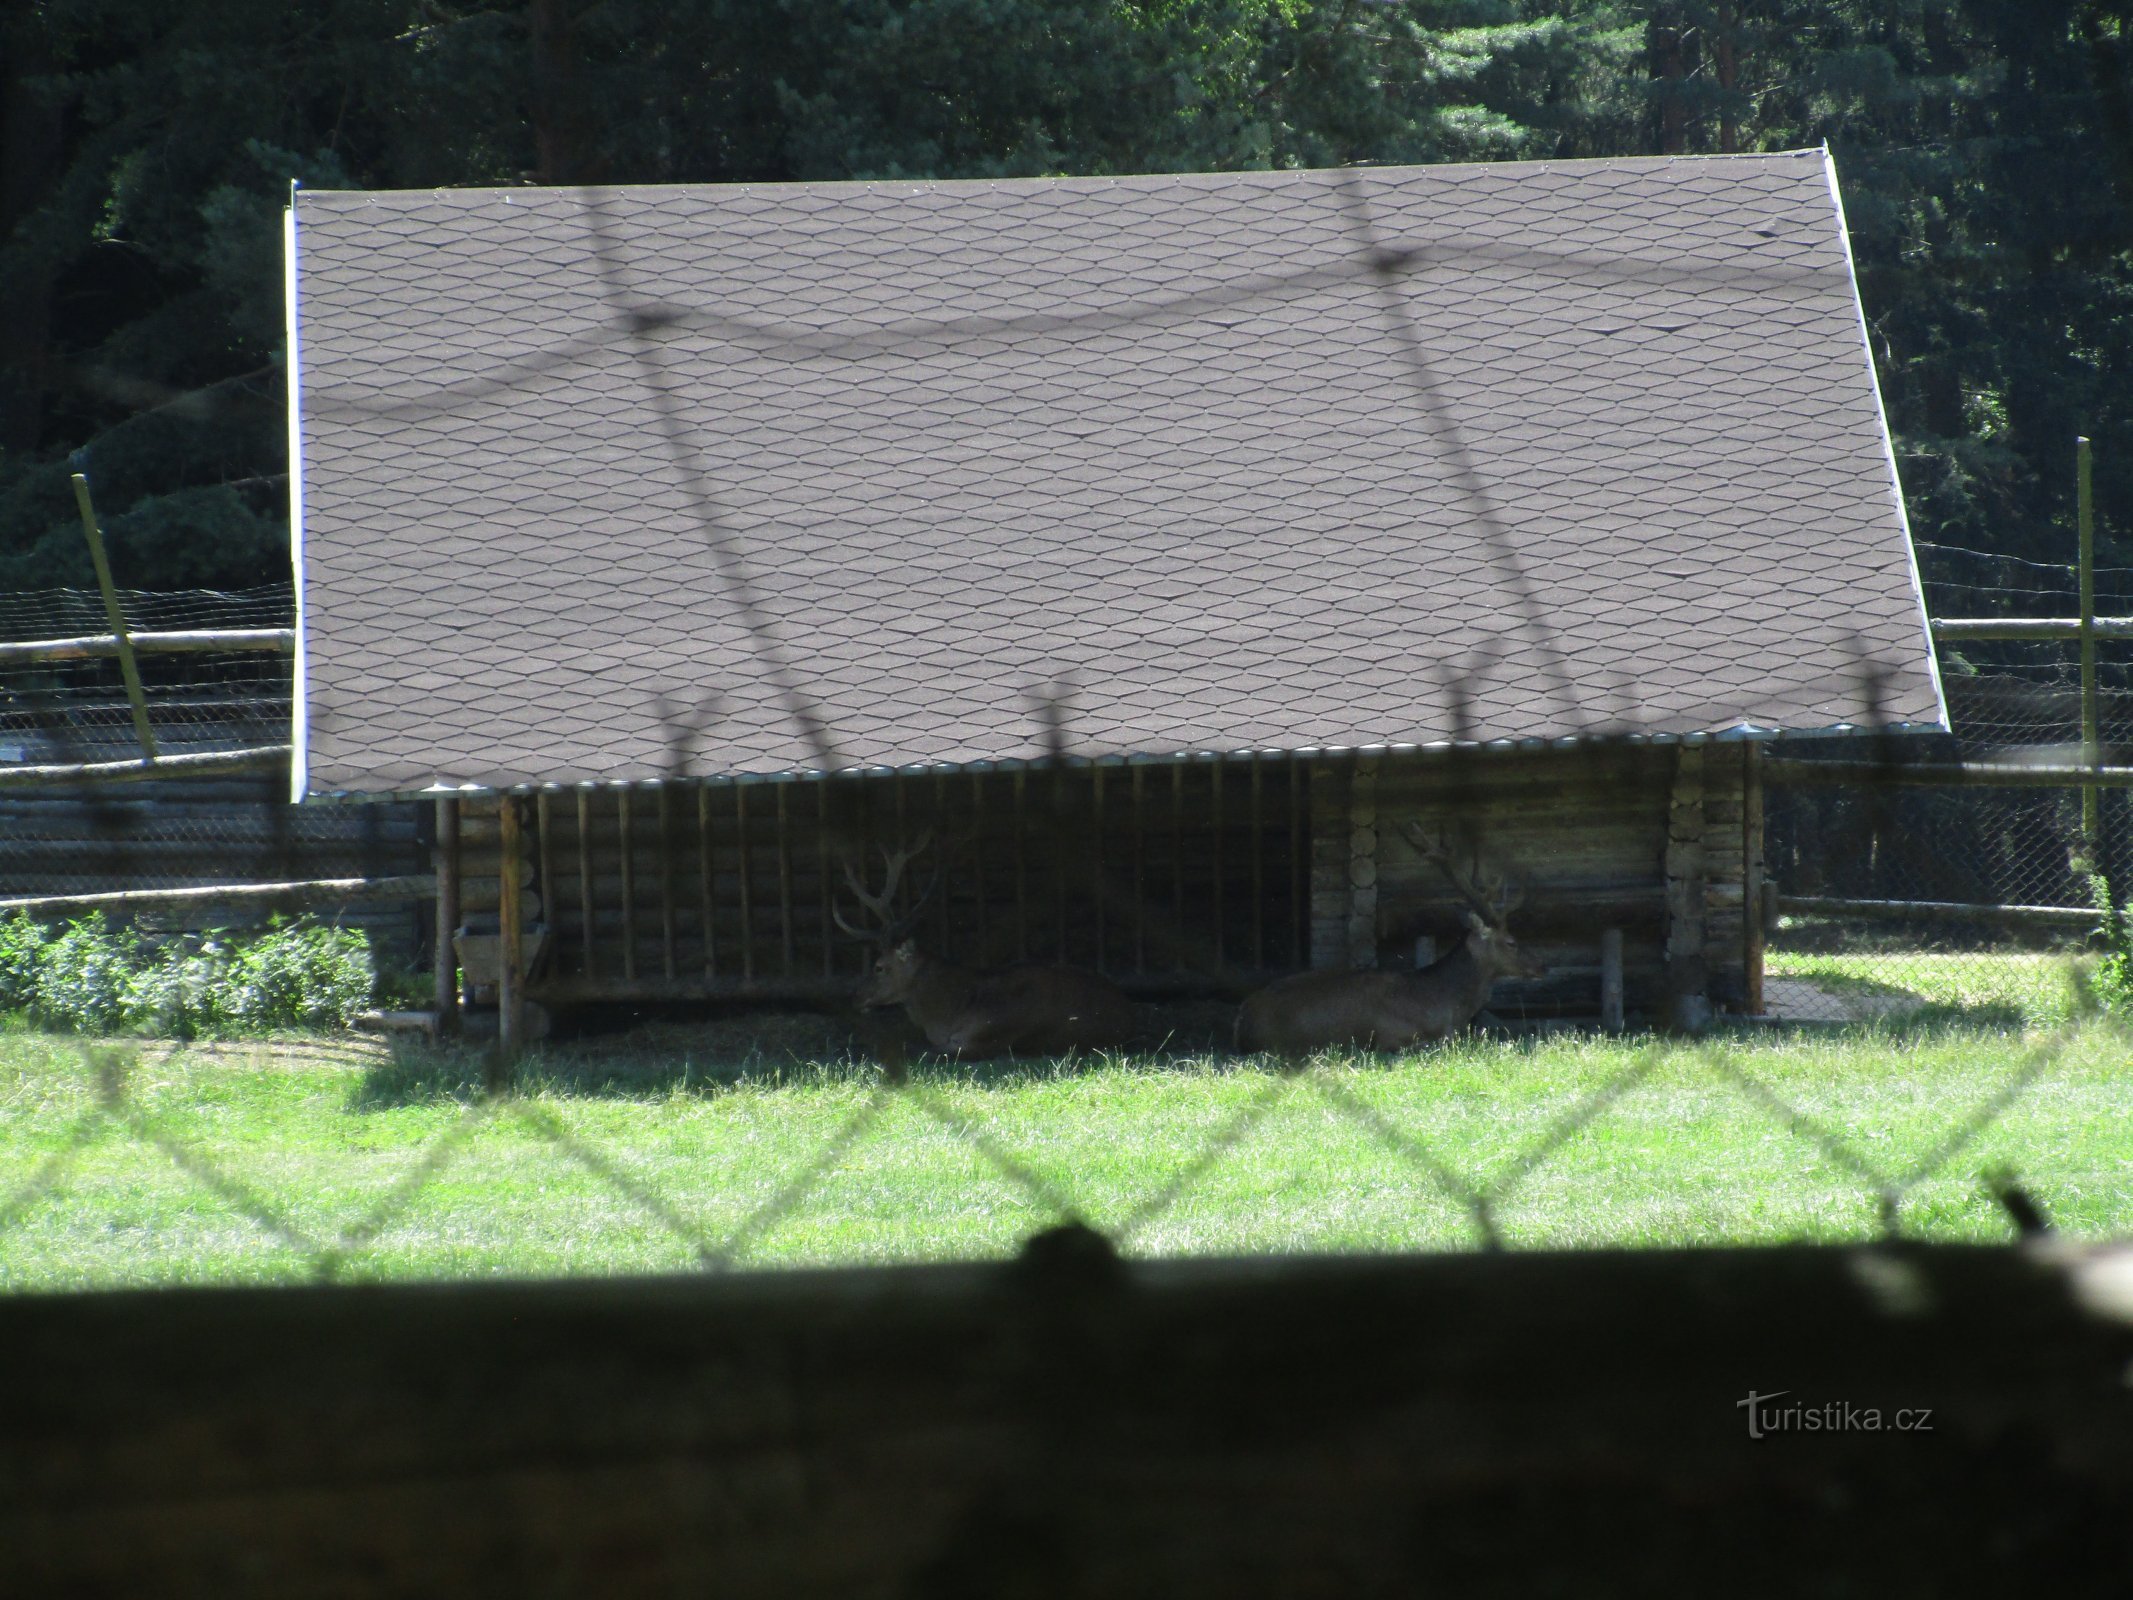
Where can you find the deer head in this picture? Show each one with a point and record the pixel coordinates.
(897, 959)
(1490, 901)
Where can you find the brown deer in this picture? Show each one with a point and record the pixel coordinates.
(1393, 1010)
(1022, 1010)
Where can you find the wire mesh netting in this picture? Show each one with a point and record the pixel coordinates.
(1966, 1084)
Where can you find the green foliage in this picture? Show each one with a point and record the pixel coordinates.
(91, 979)
(1986, 148)
(2111, 983)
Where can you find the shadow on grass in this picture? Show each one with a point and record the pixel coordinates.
(760, 1051)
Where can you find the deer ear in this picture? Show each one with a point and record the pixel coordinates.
(1474, 922)
(907, 948)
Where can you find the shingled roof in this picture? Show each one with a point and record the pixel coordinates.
(1261, 460)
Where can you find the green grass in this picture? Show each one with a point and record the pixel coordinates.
(320, 1134)
(1990, 988)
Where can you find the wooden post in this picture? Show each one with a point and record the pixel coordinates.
(1258, 851)
(444, 861)
(629, 883)
(740, 847)
(1096, 859)
(510, 966)
(1611, 980)
(706, 907)
(1139, 781)
(822, 874)
(1299, 867)
(977, 861)
(2085, 522)
(1751, 902)
(1021, 822)
(1363, 865)
(585, 881)
(943, 912)
(1214, 856)
(1687, 968)
(784, 838)
(665, 806)
(1177, 854)
(551, 910)
(129, 668)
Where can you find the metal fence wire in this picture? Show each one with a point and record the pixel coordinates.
(1871, 964)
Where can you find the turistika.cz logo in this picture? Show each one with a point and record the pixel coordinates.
(1833, 1416)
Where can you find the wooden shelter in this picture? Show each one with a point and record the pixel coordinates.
(1166, 547)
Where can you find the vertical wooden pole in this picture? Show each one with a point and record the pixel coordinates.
(740, 846)
(1214, 835)
(784, 832)
(943, 914)
(585, 882)
(1363, 863)
(665, 803)
(1751, 900)
(1056, 834)
(543, 824)
(629, 885)
(1140, 857)
(2085, 522)
(1097, 906)
(1299, 867)
(445, 864)
(977, 859)
(129, 668)
(1020, 819)
(1177, 855)
(511, 968)
(1687, 963)
(706, 870)
(1611, 979)
(1258, 849)
(822, 873)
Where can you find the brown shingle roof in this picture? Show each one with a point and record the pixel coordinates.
(1252, 460)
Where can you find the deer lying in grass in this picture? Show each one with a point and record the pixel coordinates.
(1393, 1010)
(1022, 1010)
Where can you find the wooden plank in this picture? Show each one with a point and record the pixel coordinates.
(784, 848)
(740, 845)
(706, 909)
(822, 875)
(1139, 785)
(40, 652)
(1805, 905)
(1794, 772)
(444, 866)
(665, 806)
(585, 883)
(2060, 630)
(253, 758)
(1753, 943)
(511, 925)
(629, 883)
(1611, 1007)
(1258, 848)
(1067, 1424)
(1097, 908)
(307, 892)
(1021, 824)
(977, 862)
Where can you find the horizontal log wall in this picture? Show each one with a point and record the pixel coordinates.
(182, 833)
(1587, 832)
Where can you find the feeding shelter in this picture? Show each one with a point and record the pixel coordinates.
(1164, 544)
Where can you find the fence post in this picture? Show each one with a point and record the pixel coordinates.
(446, 868)
(1611, 1018)
(128, 667)
(1751, 878)
(2085, 522)
(511, 945)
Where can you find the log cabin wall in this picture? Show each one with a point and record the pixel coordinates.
(1177, 876)
(1598, 834)
(1194, 876)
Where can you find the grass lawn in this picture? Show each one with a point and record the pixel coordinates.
(654, 1156)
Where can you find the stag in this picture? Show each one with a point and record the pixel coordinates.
(1022, 1010)
(1393, 1010)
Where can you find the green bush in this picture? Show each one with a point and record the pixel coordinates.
(2111, 983)
(22, 941)
(90, 979)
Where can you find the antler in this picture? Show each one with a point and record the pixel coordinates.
(1492, 899)
(890, 927)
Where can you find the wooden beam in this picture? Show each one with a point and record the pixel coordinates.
(1753, 943)
(1137, 780)
(205, 764)
(1688, 978)
(1098, 900)
(307, 892)
(511, 950)
(1363, 864)
(2057, 630)
(740, 845)
(1258, 852)
(629, 883)
(136, 696)
(585, 883)
(89, 647)
(665, 805)
(1611, 988)
(1793, 772)
(444, 862)
(707, 907)
(784, 848)
(1808, 905)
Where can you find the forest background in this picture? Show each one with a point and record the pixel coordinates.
(146, 147)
